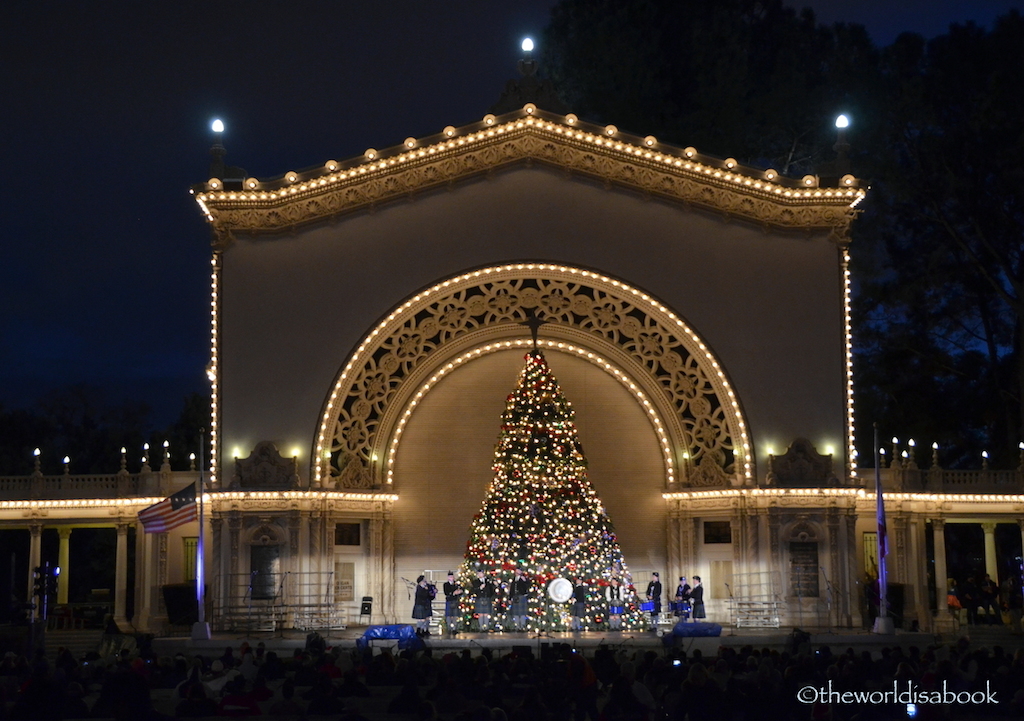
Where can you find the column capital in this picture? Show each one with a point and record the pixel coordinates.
(938, 524)
(122, 528)
(64, 532)
(989, 527)
(35, 529)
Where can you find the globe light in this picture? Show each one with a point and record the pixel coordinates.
(842, 121)
(218, 125)
(527, 45)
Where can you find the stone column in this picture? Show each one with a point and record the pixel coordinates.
(835, 575)
(376, 562)
(753, 532)
(919, 574)
(899, 524)
(738, 546)
(388, 553)
(687, 546)
(1020, 525)
(775, 549)
(991, 565)
(145, 582)
(35, 558)
(64, 561)
(121, 576)
(851, 597)
(215, 555)
(939, 537)
(672, 535)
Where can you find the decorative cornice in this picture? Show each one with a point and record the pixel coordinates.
(524, 137)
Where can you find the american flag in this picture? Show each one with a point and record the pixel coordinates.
(171, 512)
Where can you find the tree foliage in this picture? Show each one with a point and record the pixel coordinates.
(80, 422)
(937, 134)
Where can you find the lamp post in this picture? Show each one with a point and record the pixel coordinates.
(842, 147)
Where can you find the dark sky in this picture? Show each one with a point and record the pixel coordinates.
(106, 109)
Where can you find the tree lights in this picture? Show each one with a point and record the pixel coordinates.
(541, 514)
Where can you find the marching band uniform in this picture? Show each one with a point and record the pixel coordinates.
(682, 609)
(452, 591)
(579, 606)
(654, 594)
(484, 590)
(697, 595)
(520, 592)
(421, 609)
(616, 597)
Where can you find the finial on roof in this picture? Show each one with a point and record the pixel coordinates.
(529, 88)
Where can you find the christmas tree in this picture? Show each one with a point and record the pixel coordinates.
(541, 514)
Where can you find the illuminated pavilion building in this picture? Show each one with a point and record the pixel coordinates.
(366, 328)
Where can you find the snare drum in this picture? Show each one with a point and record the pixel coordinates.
(680, 607)
(617, 610)
(647, 606)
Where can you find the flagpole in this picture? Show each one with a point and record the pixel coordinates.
(883, 624)
(201, 629)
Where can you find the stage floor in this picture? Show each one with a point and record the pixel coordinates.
(499, 643)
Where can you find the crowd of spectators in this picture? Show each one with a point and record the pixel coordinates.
(613, 683)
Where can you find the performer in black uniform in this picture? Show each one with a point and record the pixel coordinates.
(654, 594)
(697, 595)
(421, 609)
(616, 597)
(483, 591)
(452, 592)
(579, 605)
(682, 604)
(520, 592)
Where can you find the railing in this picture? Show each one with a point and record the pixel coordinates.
(940, 480)
(295, 600)
(67, 486)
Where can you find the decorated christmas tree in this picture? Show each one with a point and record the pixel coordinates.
(541, 514)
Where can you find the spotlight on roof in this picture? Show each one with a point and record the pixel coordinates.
(218, 125)
(842, 122)
(527, 45)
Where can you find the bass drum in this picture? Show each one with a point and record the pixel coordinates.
(560, 590)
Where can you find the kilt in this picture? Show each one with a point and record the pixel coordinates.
(422, 610)
(451, 607)
(698, 610)
(579, 609)
(484, 606)
(520, 606)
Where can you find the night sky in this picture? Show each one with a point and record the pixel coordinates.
(106, 112)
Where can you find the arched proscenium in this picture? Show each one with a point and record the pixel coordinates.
(525, 344)
(715, 440)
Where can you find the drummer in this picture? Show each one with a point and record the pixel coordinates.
(616, 596)
(681, 605)
(653, 594)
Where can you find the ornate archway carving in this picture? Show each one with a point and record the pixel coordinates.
(714, 440)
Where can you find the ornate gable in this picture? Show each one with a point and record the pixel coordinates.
(801, 467)
(524, 137)
(264, 470)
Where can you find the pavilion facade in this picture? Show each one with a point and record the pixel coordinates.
(366, 329)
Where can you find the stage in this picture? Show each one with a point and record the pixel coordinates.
(501, 643)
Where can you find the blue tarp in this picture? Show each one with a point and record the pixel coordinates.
(696, 629)
(405, 634)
